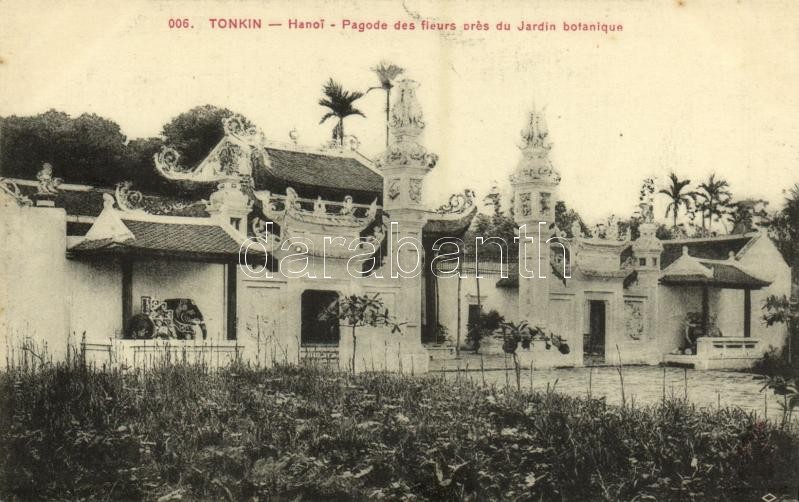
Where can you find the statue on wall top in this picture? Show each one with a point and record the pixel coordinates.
(47, 183)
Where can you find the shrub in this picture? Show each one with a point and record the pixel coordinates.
(487, 323)
(308, 434)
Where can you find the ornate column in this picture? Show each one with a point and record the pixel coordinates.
(647, 250)
(535, 190)
(404, 165)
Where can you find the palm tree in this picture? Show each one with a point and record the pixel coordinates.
(386, 73)
(746, 214)
(678, 197)
(339, 102)
(715, 197)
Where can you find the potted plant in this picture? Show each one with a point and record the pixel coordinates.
(487, 323)
(522, 334)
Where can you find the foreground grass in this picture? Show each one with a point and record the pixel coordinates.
(302, 434)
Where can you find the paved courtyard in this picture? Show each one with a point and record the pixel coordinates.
(643, 384)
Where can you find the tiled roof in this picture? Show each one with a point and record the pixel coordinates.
(723, 275)
(77, 228)
(182, 237)
(323, 171)
(712, 248)
(449, 227)
(175, 239)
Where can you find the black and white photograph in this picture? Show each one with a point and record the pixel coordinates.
(407, 250)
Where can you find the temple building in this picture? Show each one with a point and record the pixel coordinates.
(274, 234)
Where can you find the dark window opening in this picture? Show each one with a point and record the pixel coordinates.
(594, 342)
(319, 325)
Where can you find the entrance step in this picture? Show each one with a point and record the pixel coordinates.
(320, 354)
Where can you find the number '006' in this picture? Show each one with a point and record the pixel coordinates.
(179, 23)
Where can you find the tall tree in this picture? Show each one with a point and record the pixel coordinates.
(714, 196)
(386, 73)
(358, 311)
(339, 102)
(678, 195)
(86, 149)
(784, 229)
(139, 167)
(746, 214)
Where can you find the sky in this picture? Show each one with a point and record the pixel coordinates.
(690, 86)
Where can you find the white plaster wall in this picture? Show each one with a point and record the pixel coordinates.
(564, 323)
(377, 348)
(448, 307)
(646, 349)
(729, 311)
(262, 322)
(765, 260)
(503, 300)
(674, 303)
(96, 286)
(269, 320)
(202, 282)
(33, 287)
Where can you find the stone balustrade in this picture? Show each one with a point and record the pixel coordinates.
(720, 353)
(140, 354)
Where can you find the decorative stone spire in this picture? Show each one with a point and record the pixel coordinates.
(406, 125)
(405, 161)
(534, 164)
(534, 180)
(647, 248)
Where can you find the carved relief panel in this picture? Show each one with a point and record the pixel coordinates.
(415, 190)
(525, 204)
(634, 324)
